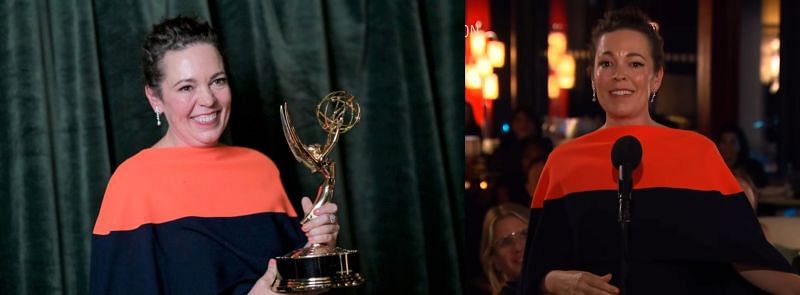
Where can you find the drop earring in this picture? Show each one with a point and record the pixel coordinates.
(652, 96)
(594, 95)
(158, 116)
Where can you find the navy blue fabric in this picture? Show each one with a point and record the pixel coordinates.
(681, 241)
(192, 255)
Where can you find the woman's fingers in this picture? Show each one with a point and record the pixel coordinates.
(328, 208)
(320, 221)
(321, 233)
(307, 205)
(322, 239)
(598, 285)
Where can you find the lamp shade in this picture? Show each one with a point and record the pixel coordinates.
(553, 91)
(496, 51)
(490, 87)
(566, 72)
(484, 66)
(477, 43)
(472, 79)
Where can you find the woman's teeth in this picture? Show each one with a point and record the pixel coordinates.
(206, 118)
(621, 92)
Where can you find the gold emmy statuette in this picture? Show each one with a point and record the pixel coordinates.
(319, 266)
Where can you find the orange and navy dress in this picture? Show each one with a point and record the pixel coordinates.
(690, 220)
(191, 221)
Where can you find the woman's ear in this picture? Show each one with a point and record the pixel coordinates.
(153, 97)
(657, 79)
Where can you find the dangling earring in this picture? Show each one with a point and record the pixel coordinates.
(653, 96)
(158, 116)
(594, 95)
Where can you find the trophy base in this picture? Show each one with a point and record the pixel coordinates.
(318, 268)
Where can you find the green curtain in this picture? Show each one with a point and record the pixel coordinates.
(73, 108)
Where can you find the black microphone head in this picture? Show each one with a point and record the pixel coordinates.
(627, 151)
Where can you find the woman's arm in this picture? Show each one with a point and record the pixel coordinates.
(772, 281)
(577, 282)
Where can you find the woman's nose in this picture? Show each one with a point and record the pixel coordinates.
(619, 75)
(207, 97)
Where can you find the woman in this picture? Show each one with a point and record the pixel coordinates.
(735, 150)
(190, 215)
(505, 230)
(691, 231)
(505, 161)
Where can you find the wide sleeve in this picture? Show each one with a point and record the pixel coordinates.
(703, 225)
(549, 235)
(123, 262)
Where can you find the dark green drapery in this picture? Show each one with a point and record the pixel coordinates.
(73, 108)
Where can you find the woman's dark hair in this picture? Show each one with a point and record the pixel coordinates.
(172, 34)
(631, 19)
(741, 138)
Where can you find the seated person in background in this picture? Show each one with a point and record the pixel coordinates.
(505, 161)
(747, 186)
(534, 172)
(533, 158)
(735, 150)
(505, 230)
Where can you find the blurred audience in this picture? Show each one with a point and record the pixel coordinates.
(505, 230)
(509, 162)
(735, 150)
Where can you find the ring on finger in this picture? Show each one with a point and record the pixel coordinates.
(332, 218)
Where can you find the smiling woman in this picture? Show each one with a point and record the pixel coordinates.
(189, 215)
(690, 230)
(195, 97)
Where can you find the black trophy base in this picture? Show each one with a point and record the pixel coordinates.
(318, 268)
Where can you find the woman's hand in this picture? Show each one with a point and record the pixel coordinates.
(266, 284)
(577, 282)
(324, 229)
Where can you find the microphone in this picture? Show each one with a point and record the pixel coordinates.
(626, 156)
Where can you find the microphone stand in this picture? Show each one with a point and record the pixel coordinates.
(624, 219)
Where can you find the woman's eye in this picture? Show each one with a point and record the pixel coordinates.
(220, 81)
(637, 64)
(604, 64)
(185, 88)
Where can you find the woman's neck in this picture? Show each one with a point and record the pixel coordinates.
(643, 120)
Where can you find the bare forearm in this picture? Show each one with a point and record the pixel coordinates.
(772, 281)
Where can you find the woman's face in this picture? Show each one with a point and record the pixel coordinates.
(534, 173)
(728, 146)
(624, 76)
(195, 96)
(522, 126)
(509, 248)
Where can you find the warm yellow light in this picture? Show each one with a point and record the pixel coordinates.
(775, 68)
(771, 63)
(566, 72)
(553, 57)
(484, 66)
(775, 65)
(557, 41)
(477, 43)
(553, 91)
(467, 185)
(484, 184)
(472, 79)
(490, 87)
(497, 53)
